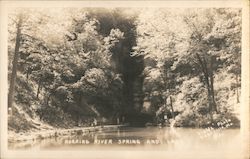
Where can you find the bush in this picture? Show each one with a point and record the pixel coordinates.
(185, 119)
(55, 116)
(18, 123)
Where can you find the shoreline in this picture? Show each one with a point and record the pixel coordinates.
(43, 134)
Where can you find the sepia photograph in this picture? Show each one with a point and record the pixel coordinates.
(107, 80)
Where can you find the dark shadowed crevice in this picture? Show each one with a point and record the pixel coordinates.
(130, 67)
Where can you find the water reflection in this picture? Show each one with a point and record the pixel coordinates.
(151, 138)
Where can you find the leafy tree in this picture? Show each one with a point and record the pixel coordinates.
(196, 52)
(15, 61)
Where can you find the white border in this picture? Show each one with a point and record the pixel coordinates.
(5, 6)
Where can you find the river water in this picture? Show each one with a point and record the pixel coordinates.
(222, 142)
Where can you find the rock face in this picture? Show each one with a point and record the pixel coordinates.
(130, 67)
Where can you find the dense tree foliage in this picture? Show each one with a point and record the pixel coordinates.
(68, 67)
(189, 64)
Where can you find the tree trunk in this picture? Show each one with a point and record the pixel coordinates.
(212, 91)
(14, 65)
(209, 81)
(172, 108)
(211, 77)
(209, 96)
(27, 77)
(38, 89)
(204, 69)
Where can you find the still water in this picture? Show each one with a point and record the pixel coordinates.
(222, 142)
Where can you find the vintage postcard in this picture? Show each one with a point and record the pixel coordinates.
(124, 79)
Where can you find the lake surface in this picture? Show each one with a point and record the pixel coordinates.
(216, 141)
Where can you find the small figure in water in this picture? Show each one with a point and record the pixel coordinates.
(118, 121)
(172, 123)
(95, 122)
